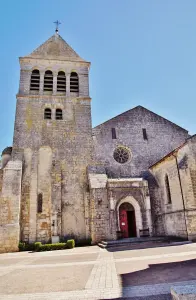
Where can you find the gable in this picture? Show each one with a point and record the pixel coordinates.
(139, 113)
(55, 48)
(160, 138)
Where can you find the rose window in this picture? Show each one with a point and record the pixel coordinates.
(121, 155)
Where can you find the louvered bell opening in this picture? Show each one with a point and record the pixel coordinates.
(35, 80)
(59, 114)
(48, 81)
(61, 82)
(74, 84)
(47, 114)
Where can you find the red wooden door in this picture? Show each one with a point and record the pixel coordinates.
(123, 223)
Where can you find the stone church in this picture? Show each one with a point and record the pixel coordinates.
(131, 176)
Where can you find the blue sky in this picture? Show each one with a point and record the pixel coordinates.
(143, 52)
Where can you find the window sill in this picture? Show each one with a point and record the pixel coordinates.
(34, 92)
(47, 93)
(61, 93)
(75, 94)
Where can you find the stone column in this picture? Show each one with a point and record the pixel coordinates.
(33, 200)
(56, 198)
(41, 86)
(148, 214)
(54, 83)
(67, 84)
(112, 221)
(25, 79)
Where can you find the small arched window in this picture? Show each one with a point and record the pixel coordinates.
(48, 81)
(35, 80)
(59, 114)
(39, 203)
(47, 114)
(168, 191)
(61, 82)
(74, 82)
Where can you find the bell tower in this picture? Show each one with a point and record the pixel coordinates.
(52, 137)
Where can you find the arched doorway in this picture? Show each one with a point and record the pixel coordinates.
(127, 220)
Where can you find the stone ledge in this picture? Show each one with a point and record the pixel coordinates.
(185, 292)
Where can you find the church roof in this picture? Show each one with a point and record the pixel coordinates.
(55, 48)
(136, 109)
(172, 153)
(7, 150)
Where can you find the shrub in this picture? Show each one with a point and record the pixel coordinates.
(70, 244)
(50, 247)
(21, 246)
(26, 247)
(37, 246)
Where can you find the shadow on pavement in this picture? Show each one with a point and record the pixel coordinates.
(157, 274)
(161, 273)
(160, 297)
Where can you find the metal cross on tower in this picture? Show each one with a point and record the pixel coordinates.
(57, 25)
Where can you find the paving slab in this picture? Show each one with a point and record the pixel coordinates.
(93, 273)
(66, 258)
(36, 280)
(10, 261)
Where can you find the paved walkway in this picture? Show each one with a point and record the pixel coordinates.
(94, 273)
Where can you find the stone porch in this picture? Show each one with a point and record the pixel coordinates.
(106, 197)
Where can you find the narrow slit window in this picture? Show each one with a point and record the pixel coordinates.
(59, 114)
(74, 82)
(35, 80)
(39, 203)
(61, 82)
(144, 134)
(48, 81)
(47, 114)
(168, 191)
(113, 133)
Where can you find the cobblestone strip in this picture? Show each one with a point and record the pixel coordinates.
(107, 293)
(103, 274)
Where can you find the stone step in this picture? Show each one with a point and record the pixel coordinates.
(184, 292)
(134, 243)
(127, 241)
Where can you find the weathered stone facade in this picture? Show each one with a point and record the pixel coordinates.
(106, 197)
(162, 137)
(60, 179)
(176, 217)
(10, 193)
(55, 152)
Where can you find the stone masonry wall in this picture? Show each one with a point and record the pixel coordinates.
(162, 137)
(105, 198)
(171, 215)
(10, 195)
(100, 216)
(56, 153)
(187, 166)
(175, 219)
